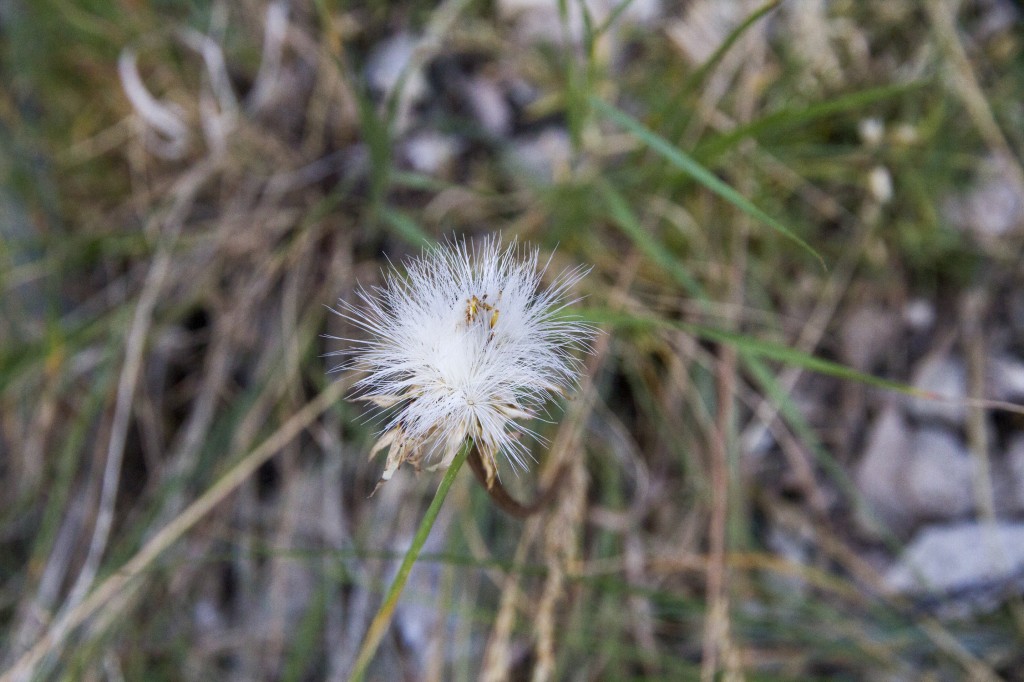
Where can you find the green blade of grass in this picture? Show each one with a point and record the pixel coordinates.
(751, 346)
(688, 165)
(698, 76)
(381, 621)
(787, 119)
(622, 215)
(789, 412)
(406, 228)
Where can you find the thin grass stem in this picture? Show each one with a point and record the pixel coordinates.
(382, 620)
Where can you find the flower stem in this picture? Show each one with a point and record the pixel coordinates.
(382, 620)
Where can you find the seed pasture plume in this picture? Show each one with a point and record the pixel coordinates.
(465, 345)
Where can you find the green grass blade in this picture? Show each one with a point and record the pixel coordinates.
(623, 217)
(698, 172)
(381, 621)
(700, 74)
(751, 346)
(787, 119)
(406, 228)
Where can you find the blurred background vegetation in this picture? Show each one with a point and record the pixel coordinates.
(786, 205)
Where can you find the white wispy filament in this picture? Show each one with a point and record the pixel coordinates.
(465, 345)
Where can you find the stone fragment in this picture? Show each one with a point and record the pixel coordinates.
(1014, 476)
(913, 474)
(391, 65)
(1004, 378)
(879, 474)
(945, 376)
(993, 208)
(543, 21)
(430, 151)
(970, 566)
(867, 336)
(919, 314)
(544, 157)
(489, 106)
(939, 476)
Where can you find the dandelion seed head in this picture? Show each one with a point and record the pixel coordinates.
(468, 343)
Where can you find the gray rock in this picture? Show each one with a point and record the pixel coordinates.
(1015, 310)
(795, 547)
(489, 105)
(541, 20)
(919, 314)
(543, 157)
(704, 27)
(939, 476)
(944, 375)
(879, 474)
(868, 334)
(910, 475)
(391, 71)
(993, 208)
(1014, 475)
(430, 151)
(971, 565)
(1004, 377)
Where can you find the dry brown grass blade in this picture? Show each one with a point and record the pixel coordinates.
(167, 226)
(564, 453)
(562, 527)
(497, 653)
(965, 82)
(106, 591)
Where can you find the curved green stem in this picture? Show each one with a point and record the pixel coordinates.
(382, 620)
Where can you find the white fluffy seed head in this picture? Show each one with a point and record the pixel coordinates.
(465, 345)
